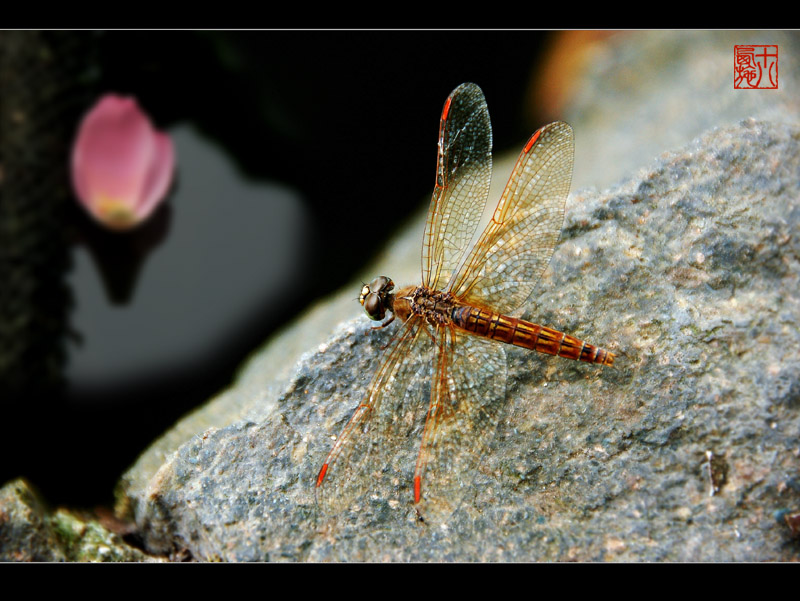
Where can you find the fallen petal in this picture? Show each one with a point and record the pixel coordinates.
(122, 166)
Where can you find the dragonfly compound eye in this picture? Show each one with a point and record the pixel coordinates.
(373, 305)
(381, 285)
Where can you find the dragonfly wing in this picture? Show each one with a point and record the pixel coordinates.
(516, 246)
(466, 398)
(376, 444)
(463, 175)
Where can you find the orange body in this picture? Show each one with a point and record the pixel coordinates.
(519, 332)
(441, 308)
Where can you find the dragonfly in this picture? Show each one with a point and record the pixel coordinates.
(435, 400)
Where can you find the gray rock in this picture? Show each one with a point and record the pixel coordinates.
(645, 92)
(29, 531)
(689, 271)
(25, 533)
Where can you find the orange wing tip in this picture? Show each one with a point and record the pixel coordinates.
(532, 141)
(322, 473)
(446, 108)
(417, 491)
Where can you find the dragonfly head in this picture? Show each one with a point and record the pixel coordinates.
(376, 297)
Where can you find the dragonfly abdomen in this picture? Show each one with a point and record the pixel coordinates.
(519, 332)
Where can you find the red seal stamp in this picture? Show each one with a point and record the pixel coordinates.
(755, 67)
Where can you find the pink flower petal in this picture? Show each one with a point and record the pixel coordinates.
(159, 177)
(121, 165)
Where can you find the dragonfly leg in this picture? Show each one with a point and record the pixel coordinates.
(384, 324)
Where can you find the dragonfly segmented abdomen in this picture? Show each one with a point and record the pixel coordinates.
(525, 334)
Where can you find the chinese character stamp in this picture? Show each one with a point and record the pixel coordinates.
(755, 67)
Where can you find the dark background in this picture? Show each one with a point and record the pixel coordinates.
(347, 119)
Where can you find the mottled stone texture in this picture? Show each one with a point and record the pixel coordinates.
(29, 531)
(686, 266)
(689, 271)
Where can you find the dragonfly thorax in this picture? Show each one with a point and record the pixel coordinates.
(434, 306)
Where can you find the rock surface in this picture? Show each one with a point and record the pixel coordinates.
(647, 92)
(30, 532)
(689, 270)
(688, 450)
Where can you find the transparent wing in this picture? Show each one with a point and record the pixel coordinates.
(516, 246)
(466, 399)
(377, 447)
(463, 175)
(463, 377)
